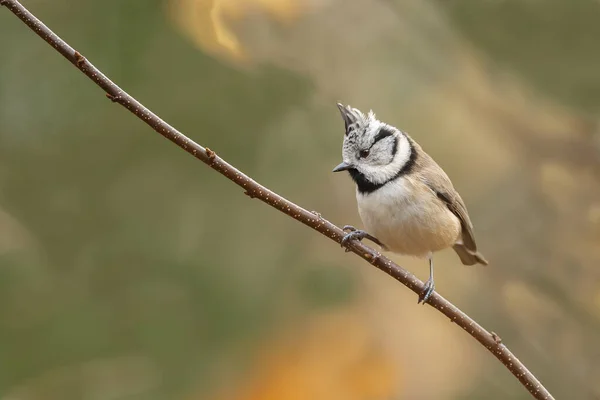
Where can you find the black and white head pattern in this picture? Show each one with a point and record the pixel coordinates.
(376, 152)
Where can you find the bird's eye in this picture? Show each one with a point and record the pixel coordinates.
(363, 153)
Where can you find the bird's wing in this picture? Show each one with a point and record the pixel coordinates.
(467, 251)
(436, 179)
(455, 204)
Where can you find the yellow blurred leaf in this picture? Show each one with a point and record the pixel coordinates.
(333, 357)
(207, 22)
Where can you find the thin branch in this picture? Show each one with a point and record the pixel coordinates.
(489, 340)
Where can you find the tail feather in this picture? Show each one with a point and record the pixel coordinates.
(469, 257)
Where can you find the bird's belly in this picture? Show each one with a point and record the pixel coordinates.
(412, 225)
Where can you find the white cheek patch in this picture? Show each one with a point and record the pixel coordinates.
(382, 152)
(403, 153)
(382, 173)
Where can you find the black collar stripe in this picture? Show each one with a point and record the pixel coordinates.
(365, 186)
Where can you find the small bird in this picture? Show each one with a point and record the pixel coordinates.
(406, 201)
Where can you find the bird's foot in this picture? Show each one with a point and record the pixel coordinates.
(353, 234)
(357, 234)
(427, 291)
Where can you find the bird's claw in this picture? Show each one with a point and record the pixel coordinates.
(354, 234)
(357, 234)
(427, 291)
(349, 228)
(346, 238)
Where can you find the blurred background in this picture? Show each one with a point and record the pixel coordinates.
(130, 270)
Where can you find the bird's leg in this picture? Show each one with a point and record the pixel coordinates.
(429, 284)
(357, 234)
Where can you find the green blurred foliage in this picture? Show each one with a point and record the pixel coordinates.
(552, 45)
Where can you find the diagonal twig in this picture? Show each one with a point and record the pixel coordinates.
(489, 340)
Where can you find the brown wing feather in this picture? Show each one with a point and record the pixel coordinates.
(467, 251)
(437, 180)
(455, 204)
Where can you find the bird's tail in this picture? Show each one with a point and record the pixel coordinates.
(469, 257)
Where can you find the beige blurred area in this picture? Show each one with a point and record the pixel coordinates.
(129, 270)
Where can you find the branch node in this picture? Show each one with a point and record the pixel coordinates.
(210, 154)
(496, 338)
(3, 2)
(79, 59)
(373, 256)
(249, 193)
(114, 99)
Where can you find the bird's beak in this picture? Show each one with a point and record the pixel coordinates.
(342, 167)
